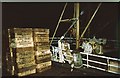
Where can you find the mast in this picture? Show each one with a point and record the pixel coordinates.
(77, 25)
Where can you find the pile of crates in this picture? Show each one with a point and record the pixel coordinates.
(29, 51)
(22, 56)
(42, 49)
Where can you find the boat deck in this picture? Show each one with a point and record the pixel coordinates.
(58, 69)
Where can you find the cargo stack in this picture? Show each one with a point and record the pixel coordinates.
(21, 55)
(42, 49)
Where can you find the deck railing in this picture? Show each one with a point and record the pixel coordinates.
(116, 69)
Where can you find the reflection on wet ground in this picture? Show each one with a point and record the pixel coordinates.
(64, 70)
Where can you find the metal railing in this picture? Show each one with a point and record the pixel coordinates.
(108, 64)
(110, 67)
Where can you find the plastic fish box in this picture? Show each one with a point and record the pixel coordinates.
(25, 55)
(40, 31)
(28, 72)
(22, 57)
(20, 37)
(43, 66)
(14, 69)
(25, 59)
(43, 53)
(43, 57)
(27, 50)
(40, 35)
(41, 39)
(25, 69)
(42, 48)
(43, 69)
(41, 43)
(24, 64)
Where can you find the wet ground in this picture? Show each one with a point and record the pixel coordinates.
(58, 69)
(64, 70)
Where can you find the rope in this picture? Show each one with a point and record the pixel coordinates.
(90, 21)
(58, 22)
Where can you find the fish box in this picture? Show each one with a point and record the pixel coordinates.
(43, 58)
(43, 66)
(28, 72)
(27, 50)
(25, 64)
(38, 31)
(41, 43)
(42, 48)
(115, 69)
(41, 39)
(43, 69)
(20, 37)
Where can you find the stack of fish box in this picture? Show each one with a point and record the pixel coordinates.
(21, 55)
(42, 49)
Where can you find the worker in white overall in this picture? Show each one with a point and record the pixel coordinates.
(66, 52)
(87, 47)
(61, 57)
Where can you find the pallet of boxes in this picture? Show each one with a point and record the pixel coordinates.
(21, 52)
(42, 49)
(24, 56)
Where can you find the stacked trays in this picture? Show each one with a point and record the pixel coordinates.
(42, 49)
(29, 51)
(21, 58)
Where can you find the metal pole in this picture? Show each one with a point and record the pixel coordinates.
(87, 61)
(58, 22)
(90, 20)
(76, 6)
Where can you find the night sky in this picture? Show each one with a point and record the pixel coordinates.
(46, 15)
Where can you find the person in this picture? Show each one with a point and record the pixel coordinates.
(87, 47)
(65, 46)
(61, 57)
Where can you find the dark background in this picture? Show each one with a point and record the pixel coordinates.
(46, 15)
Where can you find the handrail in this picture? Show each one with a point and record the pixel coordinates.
(101, 63)
(97, 62)
(101, 56)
